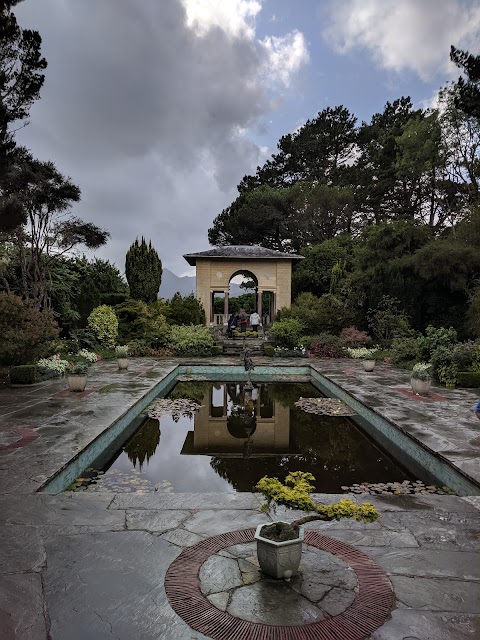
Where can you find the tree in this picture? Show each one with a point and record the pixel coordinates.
(185, 310)
(21, 79)
(49, 232)
(467, 97)
(143, 270)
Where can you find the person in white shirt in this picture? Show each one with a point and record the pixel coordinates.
(254, 321)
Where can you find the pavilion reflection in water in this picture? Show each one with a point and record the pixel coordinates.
(235, 422)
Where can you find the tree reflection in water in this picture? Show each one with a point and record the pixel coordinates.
(144, 443)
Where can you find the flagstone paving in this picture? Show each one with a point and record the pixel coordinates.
(92, 566)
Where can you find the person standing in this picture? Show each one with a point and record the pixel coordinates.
(477, 410)
(243, 321)
(254, 321)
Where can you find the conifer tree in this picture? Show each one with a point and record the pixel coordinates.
(143, 270)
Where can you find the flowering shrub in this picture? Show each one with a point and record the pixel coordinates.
(422, 371)
(361, 353)
(52, 365)
(121, 350)
(326, 346)
(87, 355)
(104, 324)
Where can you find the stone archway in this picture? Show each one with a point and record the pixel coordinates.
(215, 268)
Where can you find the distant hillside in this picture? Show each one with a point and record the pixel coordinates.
(185, 285)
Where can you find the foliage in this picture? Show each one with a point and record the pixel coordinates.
(269, 350)
(121, 350)
(143, 270)
(422, 371)
(185, 310)
(353, 337)
(286, 333)
(473, 312)
(325, 345)
(139, 321)
(467, 91)
(78, 368)
(296, 352)
(405, 351)
(387, 320)
(443, 365)
(197, 391)
(468, 379)
(104, 324)
(195, 340)
(435, 338)
(89, 356)
(361, 353)
(53, 365)
(23, 374)
(296, 494)
(26, 334)
(327, 313)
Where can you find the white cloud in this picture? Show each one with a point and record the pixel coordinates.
(236, 17)
(405, 34)
(285, 56)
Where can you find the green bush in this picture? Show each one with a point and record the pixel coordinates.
(329, 313)
(468, 379)
(435, 338)
(405, 351)
(104, 324)
(217, 350)
(286, 333)
(388, 320)
(138, 347)
(138, 320)
(23, 374)
(444, 366)
(185, 310)
(268, 350)
(195, 340)
(466, 356)
(26, 334)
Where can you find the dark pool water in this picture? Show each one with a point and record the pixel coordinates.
(236, 438)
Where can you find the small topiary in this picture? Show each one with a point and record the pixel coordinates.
(296, 494)
(23, 374)
(104, 324)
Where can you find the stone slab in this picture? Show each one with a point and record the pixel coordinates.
(406, 624)
(184, 501)
(218, 574)
(21, 549)
(382, 538)
(181, 538)
(437, 595)
(154, 520)
(211, 523)
(21, 607)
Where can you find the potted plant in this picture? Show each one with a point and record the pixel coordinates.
(365, 354)
(421, 378)
(77, 375)
(279, 544)
(121, 351)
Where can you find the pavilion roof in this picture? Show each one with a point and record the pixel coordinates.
(243, 252)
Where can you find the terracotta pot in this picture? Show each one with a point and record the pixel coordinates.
(122, 363)
(369, 365)
(420, 387)
(77, 382)
(279, 559)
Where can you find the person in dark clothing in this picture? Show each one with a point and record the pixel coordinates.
(243, 320)
(477, 410)
(232, 324)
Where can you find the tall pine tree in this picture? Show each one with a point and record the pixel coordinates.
(143, 270)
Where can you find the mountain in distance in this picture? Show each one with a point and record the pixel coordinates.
(185, 285)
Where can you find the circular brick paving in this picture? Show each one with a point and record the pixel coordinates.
(369, 610)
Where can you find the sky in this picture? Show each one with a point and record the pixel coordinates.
(158, 108)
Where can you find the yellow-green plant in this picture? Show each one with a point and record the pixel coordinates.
(104, 324)
(296, 494)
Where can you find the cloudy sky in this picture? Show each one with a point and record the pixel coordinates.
(158, 108)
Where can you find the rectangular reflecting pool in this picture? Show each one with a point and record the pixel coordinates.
(235, 438)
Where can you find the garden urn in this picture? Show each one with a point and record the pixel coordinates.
(122, 363)
(279, 559)
(420, 387)
(77, 381)
(369, 365)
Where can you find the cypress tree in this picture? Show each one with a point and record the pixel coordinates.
(143, 270)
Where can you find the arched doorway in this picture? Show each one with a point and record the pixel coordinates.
(244, 294)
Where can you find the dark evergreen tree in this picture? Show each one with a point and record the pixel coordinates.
(21, 78)
(467, 91)
(143, 270)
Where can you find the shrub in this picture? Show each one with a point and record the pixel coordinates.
(26, 334)
(444, 366)
(469, 379)
(79, 367)
(326, 346)
(104, 324)
(466, 356)
(185, 311)
(422, 371)
(388, 320)
(53, 365)
(139, 321)
(121, 350)
(195, 340)
(23, 374)
(217, 350)
(268, 350)
(296, 352)
(353, 337)
(89, 356)
(329, 313)
(362, 353)
(405, 351)
(286, 333)
(435, 338)
(138, 348)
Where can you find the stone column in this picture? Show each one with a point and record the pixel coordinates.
(259, 304)
(225, 308)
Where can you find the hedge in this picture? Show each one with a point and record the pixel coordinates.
(23, 374)
(469, 379)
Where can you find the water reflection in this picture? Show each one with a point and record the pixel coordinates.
(144, 443)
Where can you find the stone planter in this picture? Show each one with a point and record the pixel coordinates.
(77, 382)
(122, 363)
(279, 559)
(420, 387)
(369, 365)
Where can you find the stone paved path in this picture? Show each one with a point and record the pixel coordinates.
(91, 566)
